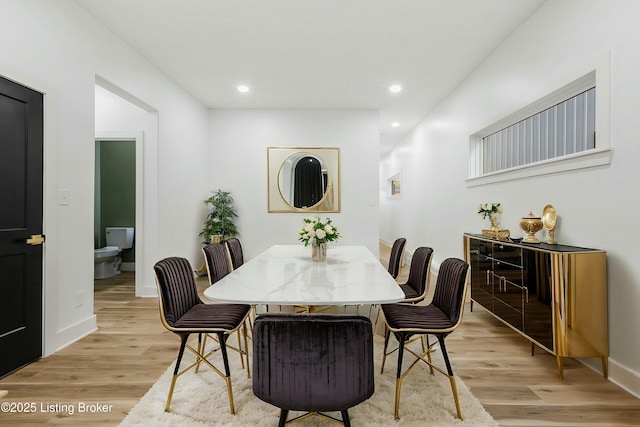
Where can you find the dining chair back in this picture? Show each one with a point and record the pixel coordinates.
(313, 362)
(417, 285)
(216, 260)
(234, 249)
(396, 256)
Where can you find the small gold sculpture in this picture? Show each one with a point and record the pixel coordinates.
(495, 231)
(497, 234)
(549, 219)
(531, 224)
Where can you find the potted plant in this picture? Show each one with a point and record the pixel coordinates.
(220, 220)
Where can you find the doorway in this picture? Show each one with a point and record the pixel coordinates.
(118, 194)
(115, 193)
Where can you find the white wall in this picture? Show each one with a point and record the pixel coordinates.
(597, 207)
(59, 49)
(238, 163)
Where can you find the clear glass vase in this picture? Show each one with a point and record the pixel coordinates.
(319, 252)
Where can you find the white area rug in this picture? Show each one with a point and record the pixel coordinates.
(200, 399)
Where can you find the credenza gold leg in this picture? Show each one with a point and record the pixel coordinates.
(605, 366)
(560, 366)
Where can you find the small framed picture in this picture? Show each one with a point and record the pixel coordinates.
(395, 186)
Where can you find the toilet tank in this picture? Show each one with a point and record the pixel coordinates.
(121, 237)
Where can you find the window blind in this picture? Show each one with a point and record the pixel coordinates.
(563, 129)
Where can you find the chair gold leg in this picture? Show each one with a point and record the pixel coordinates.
(201, 346)
(240, 347)
(252, 318)
(171, 387)
(605, 366)
(232, 407)
(428, 352)
(396, 412)
(246, 349)
(454, 389)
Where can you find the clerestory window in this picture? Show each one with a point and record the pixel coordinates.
(555, 133)
(565, 128)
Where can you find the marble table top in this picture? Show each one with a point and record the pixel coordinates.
(286, 275)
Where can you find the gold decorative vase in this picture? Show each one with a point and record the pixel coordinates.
(495, 225)
(531, 224)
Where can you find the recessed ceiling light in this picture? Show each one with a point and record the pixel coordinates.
(395, 88)
(243, 88)
(395, 124)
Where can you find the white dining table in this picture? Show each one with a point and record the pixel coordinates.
(286, 275)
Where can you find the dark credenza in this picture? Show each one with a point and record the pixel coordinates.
(554, 295)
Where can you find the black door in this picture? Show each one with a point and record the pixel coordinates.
(21, 148)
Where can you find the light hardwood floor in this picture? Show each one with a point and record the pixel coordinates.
(118, 363)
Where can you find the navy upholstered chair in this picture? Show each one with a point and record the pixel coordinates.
(396, 256)
(217, 261)
(441, 317)
(314, 363)
(417, 285)
(234, 248)
(183, 313)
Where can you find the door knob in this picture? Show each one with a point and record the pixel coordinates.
(35, 239)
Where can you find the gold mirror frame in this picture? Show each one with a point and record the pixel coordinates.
(330, 158)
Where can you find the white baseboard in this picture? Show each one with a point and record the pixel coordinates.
(147, 292)
(385, 243)
(71, 334)
(128, 266)
(622, 376)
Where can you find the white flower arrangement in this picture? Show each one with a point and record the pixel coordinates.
(316, 231)
(489, 209)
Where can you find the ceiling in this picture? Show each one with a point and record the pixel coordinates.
(317, 53)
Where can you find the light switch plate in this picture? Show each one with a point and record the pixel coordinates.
(63, 197)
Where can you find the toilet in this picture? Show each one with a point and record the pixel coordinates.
(107, 260)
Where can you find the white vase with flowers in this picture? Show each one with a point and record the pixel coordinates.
(318, 233)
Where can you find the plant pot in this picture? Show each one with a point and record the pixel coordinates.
(216, 238)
